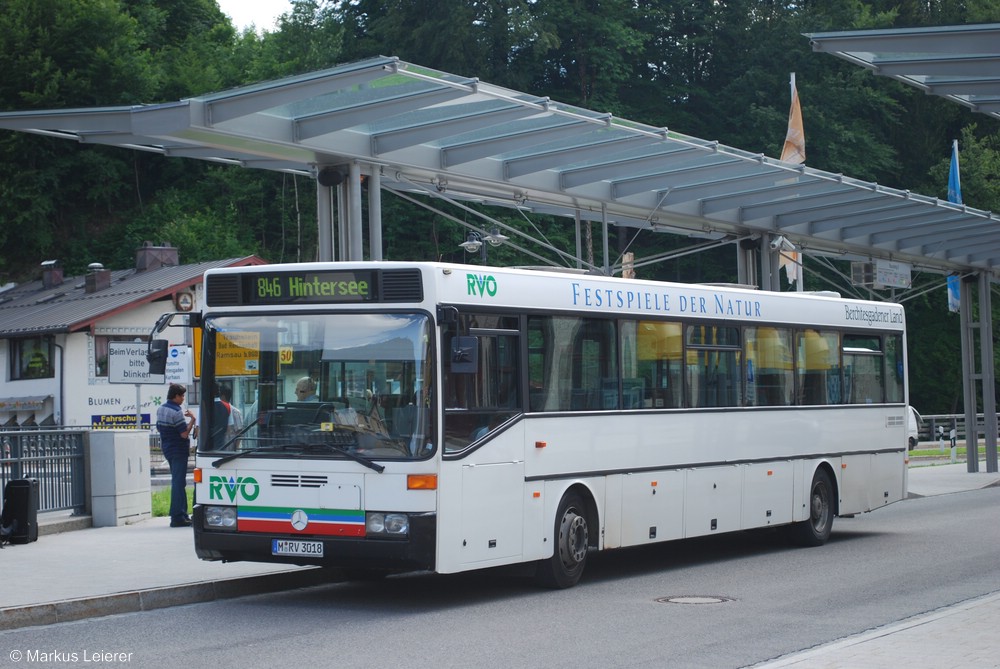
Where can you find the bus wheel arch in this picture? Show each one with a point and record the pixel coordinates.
(823, 505)
(575, 532)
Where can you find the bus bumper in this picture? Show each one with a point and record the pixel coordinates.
(415, 553)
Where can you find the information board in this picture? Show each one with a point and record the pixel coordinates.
(127, 363)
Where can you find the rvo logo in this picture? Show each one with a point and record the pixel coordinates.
(481, 285)
(246, 486)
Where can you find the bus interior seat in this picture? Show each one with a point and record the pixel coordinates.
(404, 420)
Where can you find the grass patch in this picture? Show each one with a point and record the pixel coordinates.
(161, 501)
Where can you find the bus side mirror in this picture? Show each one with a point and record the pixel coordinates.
(156, 356)
(464, 354)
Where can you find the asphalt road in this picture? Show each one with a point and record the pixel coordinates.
(763, 599)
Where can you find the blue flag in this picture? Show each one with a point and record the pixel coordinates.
(954, 182)
(954, 195)
(954, 293)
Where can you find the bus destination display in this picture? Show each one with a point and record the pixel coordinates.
(310, 287)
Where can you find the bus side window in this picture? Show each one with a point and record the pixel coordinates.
(488, 393)
(571, 362)
(818, 367)
(713, 366)
(864, 381)
(769, 374)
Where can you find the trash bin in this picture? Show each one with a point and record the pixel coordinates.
(19, 519)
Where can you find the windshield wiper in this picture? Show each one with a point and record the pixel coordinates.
(304, 448)
(259, 449)
(360, 459)
(232, 439)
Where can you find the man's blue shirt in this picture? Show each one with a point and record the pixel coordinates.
(170, 423)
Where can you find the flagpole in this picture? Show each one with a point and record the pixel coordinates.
(794, 150)
(800, 278)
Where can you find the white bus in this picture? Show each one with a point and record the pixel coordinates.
(459, 417)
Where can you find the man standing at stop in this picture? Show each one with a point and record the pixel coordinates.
(176, 446)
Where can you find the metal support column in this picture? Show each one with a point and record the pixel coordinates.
(324, 221)
(768, 265)
(746, 262)
(357, 251)
(375, 214)
(969, 376)
(987, 373)
(606, 268)
(343, 232)
(579, 240)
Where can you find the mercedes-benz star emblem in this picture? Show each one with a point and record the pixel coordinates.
(299, 519)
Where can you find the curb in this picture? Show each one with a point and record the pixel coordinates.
(817, 653)
(64, 524)
(16, 617)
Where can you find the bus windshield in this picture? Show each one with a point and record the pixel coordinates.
(318, 385)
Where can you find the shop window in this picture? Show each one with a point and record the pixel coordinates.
(31, 358)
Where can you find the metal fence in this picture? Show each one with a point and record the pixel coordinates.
(52, 456)
(929, 426)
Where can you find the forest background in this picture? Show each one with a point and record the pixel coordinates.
(714, 69)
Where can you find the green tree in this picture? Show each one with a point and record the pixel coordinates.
(308, 38)
(55, 55)
(584, 47)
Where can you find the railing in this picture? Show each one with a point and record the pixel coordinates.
(54, 457)
(158, 465)
(929, 426)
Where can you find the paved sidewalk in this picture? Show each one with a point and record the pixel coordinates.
(962, 636)
(101, 571)
(954, 637)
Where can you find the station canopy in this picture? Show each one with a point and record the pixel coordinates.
(427, 131)
(960, 63)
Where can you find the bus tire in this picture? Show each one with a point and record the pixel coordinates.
(572, 540)
(816, 530)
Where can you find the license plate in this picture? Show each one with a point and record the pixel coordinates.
(293, 547)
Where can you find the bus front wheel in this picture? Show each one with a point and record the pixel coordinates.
(816, 530)
(572, 540)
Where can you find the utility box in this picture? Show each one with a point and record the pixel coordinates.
(119, 477)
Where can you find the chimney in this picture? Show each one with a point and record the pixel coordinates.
(149, 257)
(52, 274)
(97, 278)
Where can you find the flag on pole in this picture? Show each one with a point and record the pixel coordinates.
(954, 293)
(790, 261)
(954, 181)
(954, 195)
(793, 151)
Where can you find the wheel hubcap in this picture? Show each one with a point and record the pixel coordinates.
(573, 538)
(819, 507)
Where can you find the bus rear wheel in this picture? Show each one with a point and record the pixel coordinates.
(816, 530)
(572, 540)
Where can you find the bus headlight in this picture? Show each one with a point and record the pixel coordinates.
(220, 517)
(387, 524)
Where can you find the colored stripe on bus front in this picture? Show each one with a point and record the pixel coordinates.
(285, 527)
(315, 515)
(331, 522)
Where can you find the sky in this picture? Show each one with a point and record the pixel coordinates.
(262, 13)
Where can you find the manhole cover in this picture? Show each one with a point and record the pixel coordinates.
(694, 599)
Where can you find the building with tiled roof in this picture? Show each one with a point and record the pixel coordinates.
(55, 334)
